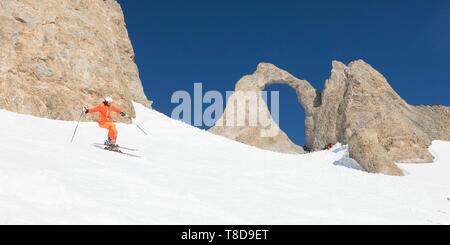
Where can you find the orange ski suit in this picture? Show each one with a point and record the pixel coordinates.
(104, 118)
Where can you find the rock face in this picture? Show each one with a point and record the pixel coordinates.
(58, 55)
(357, 107)
(358, 100)
(370, 154)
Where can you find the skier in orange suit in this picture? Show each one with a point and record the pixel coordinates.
(104, 111)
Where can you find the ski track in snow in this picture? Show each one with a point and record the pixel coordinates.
(188, 176)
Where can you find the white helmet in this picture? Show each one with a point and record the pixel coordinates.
(108, 99)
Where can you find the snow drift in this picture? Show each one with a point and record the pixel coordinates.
(189, 176)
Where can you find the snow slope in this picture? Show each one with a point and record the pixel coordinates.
(188, 176)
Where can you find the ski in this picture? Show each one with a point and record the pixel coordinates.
(102, 147)
(120, 147)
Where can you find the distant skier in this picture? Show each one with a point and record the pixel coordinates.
(328, 147)
(104, 119)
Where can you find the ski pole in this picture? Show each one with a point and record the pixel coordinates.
(137, 125)
(76, 129)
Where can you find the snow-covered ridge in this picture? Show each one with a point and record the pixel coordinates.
(189, 176)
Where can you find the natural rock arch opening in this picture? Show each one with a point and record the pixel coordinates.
(287, 112)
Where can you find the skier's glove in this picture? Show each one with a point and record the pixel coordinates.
(86, 110)
(123, 114)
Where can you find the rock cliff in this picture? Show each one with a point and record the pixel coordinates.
(58, 55)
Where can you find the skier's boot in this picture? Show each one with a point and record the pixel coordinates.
(111, 145)
(110, 142)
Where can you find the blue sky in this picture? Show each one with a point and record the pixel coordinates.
(179, 42)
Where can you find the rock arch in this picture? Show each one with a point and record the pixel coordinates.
(265, 75)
